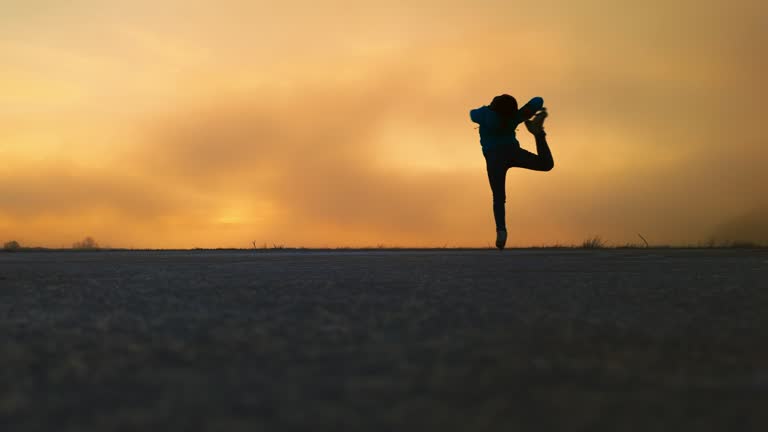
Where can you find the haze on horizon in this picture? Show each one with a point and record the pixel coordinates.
(214, 124)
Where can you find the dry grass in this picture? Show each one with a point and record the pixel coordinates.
(595, 242)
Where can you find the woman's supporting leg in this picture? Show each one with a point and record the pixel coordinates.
(538, 162)
(496, 165)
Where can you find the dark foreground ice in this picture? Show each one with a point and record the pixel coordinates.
(640, 340)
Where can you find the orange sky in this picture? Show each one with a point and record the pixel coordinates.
(345, 123)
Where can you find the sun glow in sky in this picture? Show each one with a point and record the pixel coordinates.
(345, 123)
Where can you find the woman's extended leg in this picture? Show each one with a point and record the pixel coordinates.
(538, 162)
(542, 161)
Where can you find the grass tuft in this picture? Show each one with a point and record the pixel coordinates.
(595, 242)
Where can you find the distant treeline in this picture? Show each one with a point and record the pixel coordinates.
(87, 243)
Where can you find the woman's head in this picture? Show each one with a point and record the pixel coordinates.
(504, 105)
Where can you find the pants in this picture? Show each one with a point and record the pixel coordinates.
(498, 161)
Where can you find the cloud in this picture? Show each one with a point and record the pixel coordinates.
(312, 155)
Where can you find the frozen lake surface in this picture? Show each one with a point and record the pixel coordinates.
(445, 340)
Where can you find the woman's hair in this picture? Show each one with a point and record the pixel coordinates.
(504, 105)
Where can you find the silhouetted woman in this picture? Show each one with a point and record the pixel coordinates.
(502, 151)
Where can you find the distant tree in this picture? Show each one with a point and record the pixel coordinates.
(12, 246)
(88, 243)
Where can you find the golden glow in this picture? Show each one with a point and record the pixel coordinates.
(345, 123)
